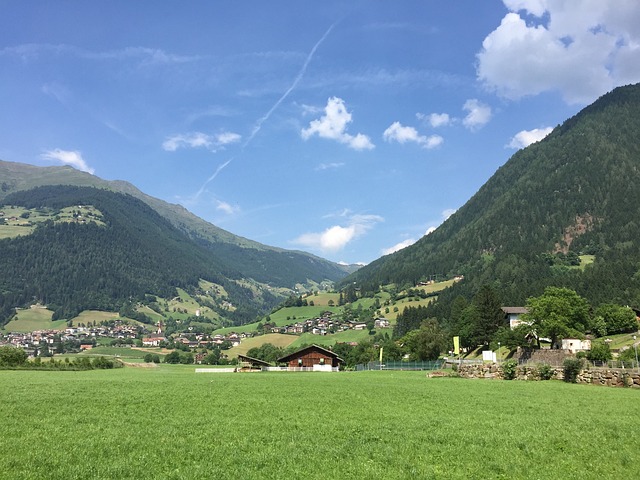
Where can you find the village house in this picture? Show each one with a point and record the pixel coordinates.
(575, 345)
(382, 323)
(513, 315)
(153, 340)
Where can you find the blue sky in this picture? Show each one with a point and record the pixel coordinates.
(346, 129)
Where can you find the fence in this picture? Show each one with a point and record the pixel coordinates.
(429, 365)
(315, 368)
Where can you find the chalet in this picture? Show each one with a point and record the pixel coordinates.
(513, 315)
(312, 358)
(382, 323)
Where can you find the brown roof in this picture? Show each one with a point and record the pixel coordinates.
(253, 361)
(304, 350)
(509, 310)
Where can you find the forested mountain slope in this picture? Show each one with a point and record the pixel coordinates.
(132, 251)
(575, 192)
(265, 264)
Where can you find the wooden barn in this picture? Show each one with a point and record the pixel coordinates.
(312, 358)
(250, 364)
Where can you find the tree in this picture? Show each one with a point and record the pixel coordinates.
(599, 352)
(173, 357)
(617, 319)
(490, 314)
(558, 313)
(12, 357)
(427, 342)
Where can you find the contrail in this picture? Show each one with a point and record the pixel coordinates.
(267, 115)
(211, 178)
(301, 73)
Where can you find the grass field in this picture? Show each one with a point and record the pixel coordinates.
(90, 316)
(30, 319)
(171, 423)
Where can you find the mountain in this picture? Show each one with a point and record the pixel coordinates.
(265, 264)
(92, 249)
(577, 192)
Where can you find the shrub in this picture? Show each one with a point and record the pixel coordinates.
(545, 371)
(12, 357)
(509, 369)
(571, 368)
(599, 352)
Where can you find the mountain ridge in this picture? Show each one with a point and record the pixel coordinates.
(246, 253)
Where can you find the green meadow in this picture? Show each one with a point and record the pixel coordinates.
(171, 423)
(30, 319)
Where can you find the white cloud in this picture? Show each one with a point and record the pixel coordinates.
(580, 48)
(330, 166)
(199, 139)
(478, 114)
(446, 213)
(336, 237)
(333, 126)
(402, 134)
(399, 246)
(436, 119)
(226, 207)
(73, 158)
(527, 137)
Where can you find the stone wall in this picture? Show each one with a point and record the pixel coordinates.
(612, 377)
(542, 355)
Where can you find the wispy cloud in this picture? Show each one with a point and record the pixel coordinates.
(293, 85)
(330, 166)
(145, 56)
(398, 246)
(333, 125)
(199, 139)
(336, 237)
(444, 216)
(258, 126)
(68, 157)
(403, 134)
(227, 207)
(525, 138)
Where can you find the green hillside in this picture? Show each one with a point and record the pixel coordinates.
(130, 253)
(577, 192)
(274, 266)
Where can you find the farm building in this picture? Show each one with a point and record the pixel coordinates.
(312, 358)
(250, 364)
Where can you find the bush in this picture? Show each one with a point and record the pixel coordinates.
(545, 371)
(571, 368)
(509, 369)
(12, 357)
(599, 352)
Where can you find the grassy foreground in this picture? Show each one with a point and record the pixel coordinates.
(169, 422)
